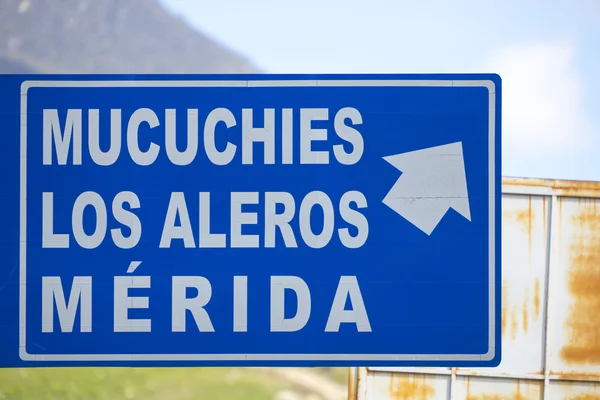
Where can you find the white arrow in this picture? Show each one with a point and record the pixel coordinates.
(433, 181)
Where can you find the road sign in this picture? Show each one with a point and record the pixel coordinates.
(250, 220)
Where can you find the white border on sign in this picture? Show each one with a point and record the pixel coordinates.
(25, 356)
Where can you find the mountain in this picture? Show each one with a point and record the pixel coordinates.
(106, 36)
(8, 66)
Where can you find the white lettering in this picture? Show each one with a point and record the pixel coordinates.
(126, 218)
(310, 238)
(51, 240)
(81, 295)
(287, 147)
(83, 239)
(195, 305)
(138, 156)
(239, 218)
(348, 134)
(282, 221)
(207, 239)
(177, 206)
(62, 141)
(278, 286)
(355, 218)
(348, 286)
(110, 156)
(124, 302)
(308, 134)
(218, 157)
(187, 156)
(240, 303)
(250, 134)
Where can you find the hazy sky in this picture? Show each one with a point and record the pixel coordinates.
(547, 53)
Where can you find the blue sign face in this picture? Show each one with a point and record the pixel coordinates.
(250, 220)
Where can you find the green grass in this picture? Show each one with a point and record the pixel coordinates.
(139, 383)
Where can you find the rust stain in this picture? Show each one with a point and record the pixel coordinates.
(517, 317)
(559, 199)
(529, 220)
(525, 218)
(352, 379)
(560, 222)
(526, 312)
(536, 297)
(575, 376)
(493, 397)
(410, 388)
(583, 323)
(517, 395)
(563, 187)
(504, 307)
(544, 216)
(468, 388)
(513, 325)
(585, 396)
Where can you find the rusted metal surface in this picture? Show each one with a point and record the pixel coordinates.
(494, 389)
(403, 387)
(584, 284)
(352, 383)
(564, 188)
(571, 391)
(577, 327)
(575, 376)
(393, 386)
(524, 236)
(550, 305)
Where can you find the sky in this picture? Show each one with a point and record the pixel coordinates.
(546, 52)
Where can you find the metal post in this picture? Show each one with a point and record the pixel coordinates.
(550, 255)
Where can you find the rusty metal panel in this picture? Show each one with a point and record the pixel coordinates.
(561, 188)
(392, 386)
(575, 269)
(551, 278)
(563, 390)
(488, 388)
(524, 238)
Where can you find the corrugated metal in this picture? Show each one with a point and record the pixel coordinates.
(550, 306)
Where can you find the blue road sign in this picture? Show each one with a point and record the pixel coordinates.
(250, 220)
